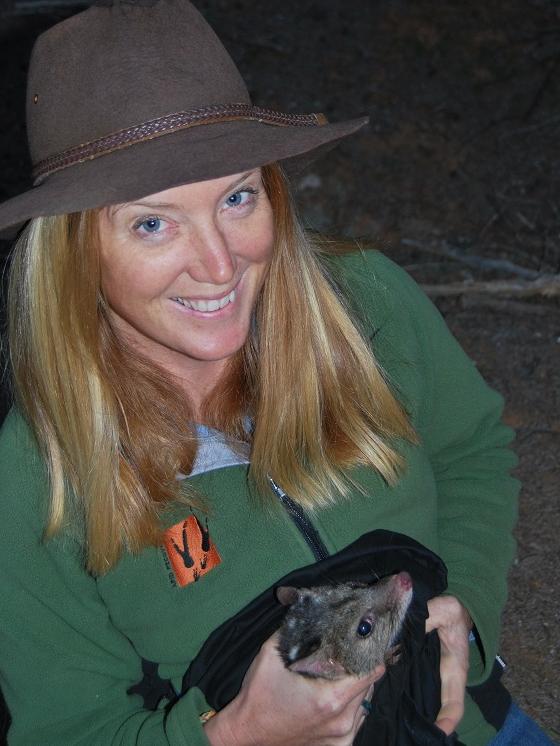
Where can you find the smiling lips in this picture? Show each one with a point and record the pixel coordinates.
(206, 306)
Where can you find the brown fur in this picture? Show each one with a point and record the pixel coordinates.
(348, 628)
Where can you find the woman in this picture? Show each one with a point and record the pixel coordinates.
(177, 343)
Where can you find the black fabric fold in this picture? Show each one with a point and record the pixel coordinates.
(406, 701)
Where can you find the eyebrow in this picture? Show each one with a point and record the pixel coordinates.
(170, 205)
(239, 181)
(150, 205)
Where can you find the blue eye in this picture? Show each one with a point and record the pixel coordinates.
(364, 628)
(240, 198)
(235, 199)
(150, 225)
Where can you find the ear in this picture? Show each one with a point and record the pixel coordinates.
(287, 595)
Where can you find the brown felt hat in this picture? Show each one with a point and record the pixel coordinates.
(133, 97)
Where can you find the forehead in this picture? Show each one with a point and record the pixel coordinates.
(198, 192)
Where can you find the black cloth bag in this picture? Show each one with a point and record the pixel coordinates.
(406, 700)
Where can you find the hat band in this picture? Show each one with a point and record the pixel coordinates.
(165, 125)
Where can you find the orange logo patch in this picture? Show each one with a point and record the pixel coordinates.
(190, 550)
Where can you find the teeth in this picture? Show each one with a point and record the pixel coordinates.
(207, 306)
(227, 299)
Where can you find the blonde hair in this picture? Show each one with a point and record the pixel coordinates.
(111, 425)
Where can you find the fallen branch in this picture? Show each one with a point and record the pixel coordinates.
(507, 305)
(547, 286)
(444, 249)
(524, 433)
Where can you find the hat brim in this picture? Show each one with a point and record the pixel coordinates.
(184, 157)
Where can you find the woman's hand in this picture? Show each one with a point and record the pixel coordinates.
(453, 624)
(276, 707)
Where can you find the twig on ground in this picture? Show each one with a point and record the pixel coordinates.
(507, 306)
(547, 286)
(526, 222)
(487, 227)
(419, 266)
(444, 249)
(530, 127)
(525, 433)
(549, 76)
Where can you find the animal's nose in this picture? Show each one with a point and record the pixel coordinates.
(404, 581)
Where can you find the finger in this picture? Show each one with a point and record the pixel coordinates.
(361, 715)
(450, 715)
(445, 611)
(440, 611)
(434, 619)
(447, 724)
(363, 708)
(364, 685)
(453, 682)
(365, 704)
(377, 673)
(360, 686)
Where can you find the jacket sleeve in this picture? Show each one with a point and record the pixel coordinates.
(65, 668)
(458, 420)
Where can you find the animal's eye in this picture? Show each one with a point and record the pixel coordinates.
(364, 628)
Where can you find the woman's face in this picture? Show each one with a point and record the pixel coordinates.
(181, 270)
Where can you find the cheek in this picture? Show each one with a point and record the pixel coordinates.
(267, 236)
(258, 245)
(254, 243)
(267, 244)
(124, 291)
(118, 280)
(125, 280)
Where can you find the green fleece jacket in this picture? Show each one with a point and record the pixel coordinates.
(71, 644)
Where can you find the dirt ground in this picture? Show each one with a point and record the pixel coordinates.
(457, 179)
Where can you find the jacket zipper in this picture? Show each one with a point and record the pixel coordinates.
(302, 522)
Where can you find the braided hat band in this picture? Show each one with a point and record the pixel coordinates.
(132, 97)
(166, 125)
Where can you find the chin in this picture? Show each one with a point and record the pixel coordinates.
(220, 350)
(213, 354)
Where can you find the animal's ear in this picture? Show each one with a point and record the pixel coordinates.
(287, 595)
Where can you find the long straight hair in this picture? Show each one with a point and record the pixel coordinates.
(113, 427)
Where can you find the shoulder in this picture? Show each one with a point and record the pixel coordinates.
(372, 261)
(376, 284)
(17, 445)
(408, 336)
(23, 475)
(386, 302)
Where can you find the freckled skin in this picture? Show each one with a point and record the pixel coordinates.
(349, 628)
(192, 244)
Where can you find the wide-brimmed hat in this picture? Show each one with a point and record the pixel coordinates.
(133, 97)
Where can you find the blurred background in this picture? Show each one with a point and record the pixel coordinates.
(457, 179)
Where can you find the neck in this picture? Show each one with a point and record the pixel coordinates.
(198, 381)
(196, 378)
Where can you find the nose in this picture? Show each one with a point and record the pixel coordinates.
(211, 259)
